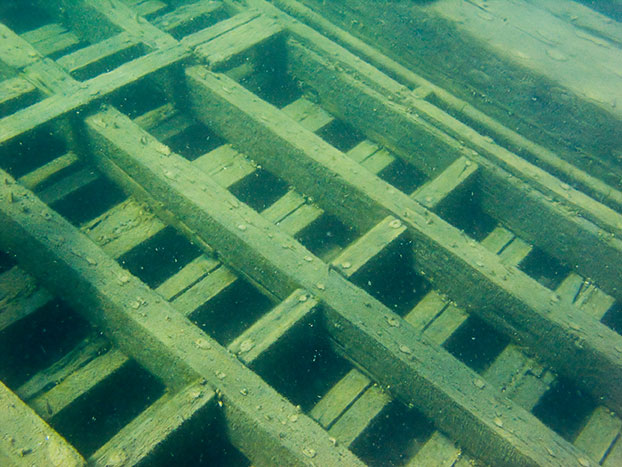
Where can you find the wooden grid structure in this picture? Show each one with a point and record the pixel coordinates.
(167, 170)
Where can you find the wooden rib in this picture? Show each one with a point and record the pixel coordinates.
(181, 16)
(274, 327)
(614, 456)
(223, 27)
(600, 432)
(148, 7)
(349, 426)
(13, 89)
(369, 246)
(25, 438)
(127, 20)
(68, 185)
(43, 174)
(143, 435)
(443, 188)
(506, 297)
(226, 47)
(74, 385)
(51, 38)
(45, 74)
(151, 331)
(86, 350)
(97, 52)
(398, 357)
(20, 296)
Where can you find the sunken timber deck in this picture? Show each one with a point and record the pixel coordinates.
(235, 233)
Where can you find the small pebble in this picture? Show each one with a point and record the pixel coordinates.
(163, 149)
(202, 344)
(393, 322)
(479, 383)
(242, 227)
(320, 286)
(405, 349)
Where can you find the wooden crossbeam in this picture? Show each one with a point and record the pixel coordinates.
(20, 296)
(506, 297)
(224, 48)
(397, 356)
(51, 38)
(14, 89)
(135, 442)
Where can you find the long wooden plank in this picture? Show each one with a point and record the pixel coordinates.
(154, 333)
(12, 89)
(490, 425)
(506, 297)
(25, 439)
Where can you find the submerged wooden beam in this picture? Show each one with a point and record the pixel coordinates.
(368, 331)
(133, 444)
(25, 439)
(578, 345)
(150, 330)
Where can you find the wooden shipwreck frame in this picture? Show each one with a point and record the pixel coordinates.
(235, 233)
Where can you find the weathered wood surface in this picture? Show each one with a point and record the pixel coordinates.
(276, 262)
(204, 278)
(26, 439)
(554, 227)
(140, 438)
(579, 61)
(470, 274)
(529, 122)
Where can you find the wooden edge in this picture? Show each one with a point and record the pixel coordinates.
(27, 439)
